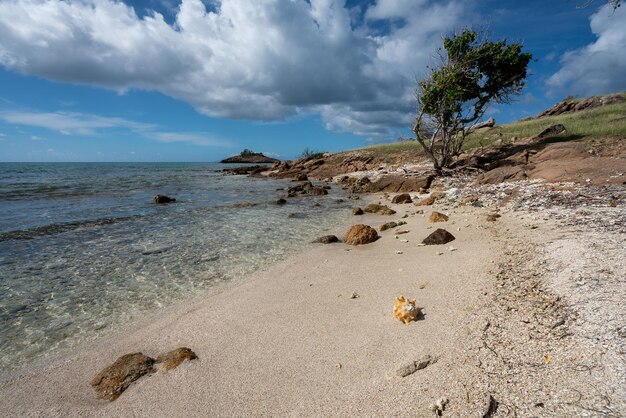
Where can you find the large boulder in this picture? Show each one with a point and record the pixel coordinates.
(161, 198)
(439, 237)
(174, 358)
(402, 198)
(115, 379)
(396, 183)
(360, 234)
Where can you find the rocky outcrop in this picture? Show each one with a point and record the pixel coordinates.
(394, 183)
(402, 198)
(249, 157)
(379, 209)
(574, 105)
(174, 358)
(160, 198)
(116, 378)
(245, 170)
(439, 237)
(326, 239)
(360, 234)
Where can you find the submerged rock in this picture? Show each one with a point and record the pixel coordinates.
(174, 358)
(161, 198)
(326, 239)
(115, 379)
(439, 237)
(360, 234)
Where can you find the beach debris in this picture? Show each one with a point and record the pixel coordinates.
(116, 378)
(439, 237)
(492, 217)
(360, 234)
(357, 211)
(451, 248)
(437, 217)
(174, 358)
(338, 366)
(326, 239)
(434, 196)
(399, 252)
(402, 198)
(161, 198)
(379, 209)
(405, 310)
(400, 232)
(404, 240)
(354, 295)
(413, 366)
(439, 406)
(423, 285)
(439, 252)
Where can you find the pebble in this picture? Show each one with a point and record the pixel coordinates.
(399, 252)
(354, 295)
(439, 253)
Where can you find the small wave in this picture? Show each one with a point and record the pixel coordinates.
(40, 231)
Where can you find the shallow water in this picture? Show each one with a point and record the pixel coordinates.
(83, 249)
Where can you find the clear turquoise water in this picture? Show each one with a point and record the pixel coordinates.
(83, 249)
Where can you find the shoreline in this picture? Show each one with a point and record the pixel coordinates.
(502, 319)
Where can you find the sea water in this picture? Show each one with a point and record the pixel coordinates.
(84, 250)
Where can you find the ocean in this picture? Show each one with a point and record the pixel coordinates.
(83, 250)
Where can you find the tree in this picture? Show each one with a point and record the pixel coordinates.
(614, 3)
(472, 74)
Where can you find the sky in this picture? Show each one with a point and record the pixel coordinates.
(199, 80)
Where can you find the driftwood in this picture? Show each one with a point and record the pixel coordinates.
(489, 123)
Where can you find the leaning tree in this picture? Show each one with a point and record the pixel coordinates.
(472, 73)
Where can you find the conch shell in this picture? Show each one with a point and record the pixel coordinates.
(405, 310)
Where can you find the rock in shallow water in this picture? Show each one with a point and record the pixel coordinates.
(115, 379)
(160, 198)
(326, 239)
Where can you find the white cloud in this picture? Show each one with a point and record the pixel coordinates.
(599, 67)
(70, 123)
(197, 138)
(260, 60)
(37, 138)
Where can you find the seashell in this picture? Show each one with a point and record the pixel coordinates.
(405, 310)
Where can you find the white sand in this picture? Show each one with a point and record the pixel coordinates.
(271, 344)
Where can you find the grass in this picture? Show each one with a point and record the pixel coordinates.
(606, 122)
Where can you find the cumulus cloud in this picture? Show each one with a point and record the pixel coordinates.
(260, 60)
(599, 67)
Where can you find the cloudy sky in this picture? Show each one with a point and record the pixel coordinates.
(197, 80)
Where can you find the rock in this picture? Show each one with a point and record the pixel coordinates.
(413, 366)
(491, 407)
(402, 198)
(434, 196)
(326, 239)
(552, 130)
(255, 169)
(502, 174)
(296, 215)
(281, 201)
(380, 209)
(569, 105)
(248, 156)
(317, 191)
(354, 295)
(357, 211)
(387, 226)
(396, 183)
(174, 358)
(302, 177)
(115, 379)
(437, 217)
(492, 217)
(339, 201)
(439, 237)
(160, 198)
(360, 234)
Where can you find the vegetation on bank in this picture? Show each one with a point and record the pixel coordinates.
(606, 122)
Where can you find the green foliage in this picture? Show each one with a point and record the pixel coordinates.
(310, 154)
(247, 153)
(473, 73)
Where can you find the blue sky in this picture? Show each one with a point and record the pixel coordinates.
(198, 80)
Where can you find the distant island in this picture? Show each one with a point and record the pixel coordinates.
(247, 156)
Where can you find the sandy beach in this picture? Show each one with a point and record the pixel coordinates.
(292, 341)
(504, 319)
